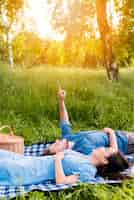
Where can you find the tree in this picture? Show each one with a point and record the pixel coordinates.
(124, 44)
(106, 37)
(74, 19)
(29, 49)
(9, 10)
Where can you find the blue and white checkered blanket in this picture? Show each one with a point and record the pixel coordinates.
(7, 192)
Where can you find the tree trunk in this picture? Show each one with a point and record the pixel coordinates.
(106, 37)
(10, 51)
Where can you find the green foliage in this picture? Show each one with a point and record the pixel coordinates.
(3, 49)
(35, 51)
(124, 43)
(81, 46)
(55, 53)
(9, 10)
(85, 191)
(29, 49)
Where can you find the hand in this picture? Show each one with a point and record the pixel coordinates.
(108, 130)
(61, 94)
(59, 155)
(73, 179)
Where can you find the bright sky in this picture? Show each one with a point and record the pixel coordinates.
(40, 13)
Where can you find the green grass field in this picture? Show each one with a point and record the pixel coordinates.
(28, 102)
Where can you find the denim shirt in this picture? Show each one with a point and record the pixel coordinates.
(86, 141)
(16, 169)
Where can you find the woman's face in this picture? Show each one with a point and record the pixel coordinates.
(102, 154)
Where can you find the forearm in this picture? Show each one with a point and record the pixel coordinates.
(63, 111)
(60, 177)
(59, 173)
(113, 140)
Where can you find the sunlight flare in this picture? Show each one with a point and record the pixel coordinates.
(40, 12)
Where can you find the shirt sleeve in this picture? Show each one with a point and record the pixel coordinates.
(65, 129)
(77, 163)
(88, 174)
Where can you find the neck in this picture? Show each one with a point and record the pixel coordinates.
(93, 161)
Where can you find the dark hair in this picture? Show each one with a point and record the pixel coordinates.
(116, 164)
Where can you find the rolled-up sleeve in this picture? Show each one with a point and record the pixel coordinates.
(88, 174)
(65, 129)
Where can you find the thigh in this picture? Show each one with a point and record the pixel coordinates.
(130, 141)
(130, 136)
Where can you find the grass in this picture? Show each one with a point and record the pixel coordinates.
(29, 103)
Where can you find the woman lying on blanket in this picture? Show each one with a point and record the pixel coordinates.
(66, 167)
(86, 141)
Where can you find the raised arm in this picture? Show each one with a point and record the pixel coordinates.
(59, 173)
(112, 138)
(62, 108)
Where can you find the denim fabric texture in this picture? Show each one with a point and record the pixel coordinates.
(86, 141)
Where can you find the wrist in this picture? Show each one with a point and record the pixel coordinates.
(61, 100)
(57, 159)
(111, 132)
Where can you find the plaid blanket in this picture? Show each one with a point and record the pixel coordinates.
(7, 192)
